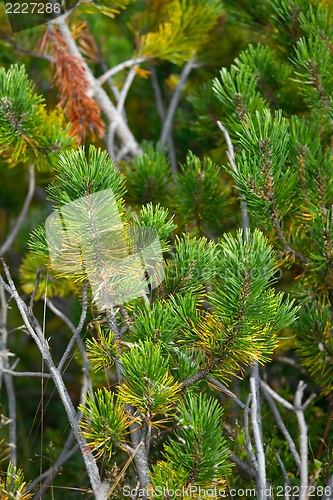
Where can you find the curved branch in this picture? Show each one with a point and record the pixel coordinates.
(165, 134)
(99, 94)
(18, 224)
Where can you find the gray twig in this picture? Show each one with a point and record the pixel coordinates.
(285, 476)
(13, 373)
(231, 158)
(116, 69)
(281, 426)
(161, 112)
(243, 467)
(18, 224)
(257, 437)
(167, 125)
(248, 445)
(7, 377)
(36, 333)
(120, 108)
(77, 330)
(299, 411)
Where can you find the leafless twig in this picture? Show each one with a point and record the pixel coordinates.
(77, 330)
(36, 333)
(281, 426)
(7, 377)
(18, 224)
(161, 112)
(299, 411)
(187, 68)
(120, 67)
(257, 438)
(231, 158)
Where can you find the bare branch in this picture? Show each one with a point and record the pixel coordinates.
(285, 475)
(243, 467)
(13, 373)
(18, 224)
(7, 377)
(248, 445)
(36, 333)
(78, 339)
(276, 396)
(103, 100)
(281, 426)
(120, 107)
(299, 411)
(231, 158)
(167, 125)
(120, 67)
(161, 112)
(77, 330)
(257, 438)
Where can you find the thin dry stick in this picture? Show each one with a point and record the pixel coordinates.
(248, 445)
(18, 224)
(77, 330)
(13, 373)
(36, 333)
(285, 476)
(282, 427)
(258, 441)
(120, 107)
(8, 378)
(299, 411)
(167, 125)
(276, 396)
(231, 158)
(161, 112)
(120, 67)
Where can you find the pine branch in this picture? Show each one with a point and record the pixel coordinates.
(110, 111)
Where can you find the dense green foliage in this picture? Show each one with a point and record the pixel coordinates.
(169, 365)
